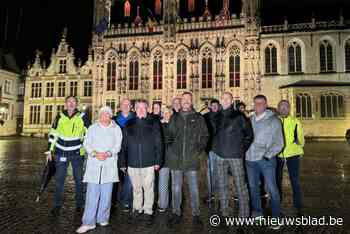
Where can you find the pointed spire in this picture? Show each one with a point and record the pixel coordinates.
(206, 13)
(225, 11)
(127, 8)
(191, 5)
(138, 19)
(158, 7)
(64, 34)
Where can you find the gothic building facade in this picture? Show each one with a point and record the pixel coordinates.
(159, 57)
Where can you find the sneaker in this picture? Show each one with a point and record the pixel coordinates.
(103, 224)
(161, 210)
(85, 228)
(275, 227)
(55, 211)
(235, 198)
(197, 221)
(173, 220)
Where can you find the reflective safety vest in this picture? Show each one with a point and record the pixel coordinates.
(293, 137)
(67, 133)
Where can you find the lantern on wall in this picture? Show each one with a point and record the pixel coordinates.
(158, 7)
(191, 5)
(127, 8)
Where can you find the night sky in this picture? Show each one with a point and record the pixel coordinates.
(42, 21)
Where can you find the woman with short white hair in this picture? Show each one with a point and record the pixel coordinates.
(102, 143)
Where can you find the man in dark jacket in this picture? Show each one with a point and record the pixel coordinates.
(232, 138)
(189, 135)
(125, 190)
(142, 150)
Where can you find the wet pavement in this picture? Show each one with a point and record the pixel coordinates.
(325, 180)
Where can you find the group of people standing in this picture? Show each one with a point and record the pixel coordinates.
(150, 154)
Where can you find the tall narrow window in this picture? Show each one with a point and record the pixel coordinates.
(181, 73)
(332, 105)
(303, 106)
(73, 91)
(294, 58)
(87, 88)
(59, 108)
(111, 75)
(49, 89)
(234, 66)
(134, 73)
(326, 57)
(34, 114)
(207, 69)
(36, 90)
(48, 114)
(111, 104)
(63, 66)
(61, 89)
(157, 71)
(270, 59)
(347, 56)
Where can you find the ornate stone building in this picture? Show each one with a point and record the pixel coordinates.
(47, 86)
(159, 56)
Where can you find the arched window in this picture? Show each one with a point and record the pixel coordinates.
(303, 106)
(326, 57)
(234, 66)
(347, 56)
(111, 75)
(134, 73)
(181, 70)
(157, 71)
(332, 105)
(294, 58)
(207, 69)
(270, 59)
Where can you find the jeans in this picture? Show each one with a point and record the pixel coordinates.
(142, 180)
(163, 188)
(293, 165)
(62, 163)
(211, 174)
(268, 169)
(125, 195)
(98, 200)
(176, 186)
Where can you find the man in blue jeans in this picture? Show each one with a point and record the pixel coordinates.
(125, 194)
(261, 157)
(66, 143)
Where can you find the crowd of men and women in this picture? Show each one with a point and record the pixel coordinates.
(150, 154)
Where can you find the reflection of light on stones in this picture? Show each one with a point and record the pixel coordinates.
(342, 172)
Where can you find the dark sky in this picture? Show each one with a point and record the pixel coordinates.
(42, 21)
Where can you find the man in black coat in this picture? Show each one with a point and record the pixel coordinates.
(232, 138)
(189, 135)
(141, 153)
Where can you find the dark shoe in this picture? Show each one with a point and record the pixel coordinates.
(148, 219)
(55, 212)
(126, 208)
(173, 220)
(196, 221)
(79, 209)
(134, 217)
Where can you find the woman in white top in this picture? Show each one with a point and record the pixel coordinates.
(102, 143)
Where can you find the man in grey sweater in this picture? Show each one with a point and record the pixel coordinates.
(261, 156)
